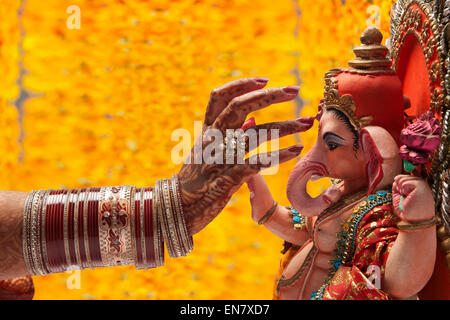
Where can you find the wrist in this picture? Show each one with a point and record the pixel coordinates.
(268, 214)
(408, 225)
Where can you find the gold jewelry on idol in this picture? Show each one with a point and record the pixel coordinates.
(411, 226)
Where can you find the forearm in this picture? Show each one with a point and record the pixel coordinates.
(96, 227)
(411, 261)
(12, 263)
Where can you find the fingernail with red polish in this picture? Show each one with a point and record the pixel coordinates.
(291, 89)
(249, 123)
(261, 80)
(296, 149)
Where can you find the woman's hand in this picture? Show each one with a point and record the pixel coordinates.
(207, 187)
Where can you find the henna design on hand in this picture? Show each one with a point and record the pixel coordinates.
(207, 188)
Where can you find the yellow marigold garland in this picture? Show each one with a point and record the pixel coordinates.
(9, 91)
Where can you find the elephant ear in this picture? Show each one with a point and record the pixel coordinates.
(374, 166)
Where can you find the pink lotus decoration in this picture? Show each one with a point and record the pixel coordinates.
(420, 139)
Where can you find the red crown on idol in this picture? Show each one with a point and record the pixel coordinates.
(369, 92)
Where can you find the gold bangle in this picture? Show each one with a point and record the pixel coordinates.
(268, 214)
(159, 206)
(26, 241)
(41, 247)
(173, 219)
(177, 218)
(409, 226)
(142, 226)
(187, 242)
(35, 233)
(167, 204)
(166, 215)
(127, 190)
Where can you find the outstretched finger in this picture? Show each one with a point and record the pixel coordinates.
(221, 97)
(261, 133)
(234, 115)
(261, 161)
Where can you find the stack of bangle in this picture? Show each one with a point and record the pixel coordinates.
(109, 226)
(171, 216)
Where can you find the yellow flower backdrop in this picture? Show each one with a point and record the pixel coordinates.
(97, 105)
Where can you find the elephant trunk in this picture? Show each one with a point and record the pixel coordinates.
(296, 188)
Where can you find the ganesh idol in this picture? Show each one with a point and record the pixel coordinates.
(372, 233)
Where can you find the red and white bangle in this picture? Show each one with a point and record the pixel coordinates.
(114, 226)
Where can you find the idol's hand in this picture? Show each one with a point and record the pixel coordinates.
(261, 199)
(412, 199)
(207, 187)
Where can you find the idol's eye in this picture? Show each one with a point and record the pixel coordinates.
(333, 141)
(332, 146)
